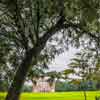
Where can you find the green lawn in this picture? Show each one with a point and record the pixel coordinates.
(56, 96)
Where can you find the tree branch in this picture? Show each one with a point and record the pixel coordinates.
(54, 29)
(21, 26)
(38, 19)
(79, 28)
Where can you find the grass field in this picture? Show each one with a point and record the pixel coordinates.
(56, 96)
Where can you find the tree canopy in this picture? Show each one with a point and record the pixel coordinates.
(27, 25)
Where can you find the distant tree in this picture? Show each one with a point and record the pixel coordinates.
(96, 73)
(81, 67)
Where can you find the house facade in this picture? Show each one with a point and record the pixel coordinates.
(42, 84)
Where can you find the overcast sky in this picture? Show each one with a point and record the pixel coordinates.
(61, 62)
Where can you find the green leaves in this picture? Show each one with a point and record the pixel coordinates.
(68, 71)
(98, 64)
(35, 72)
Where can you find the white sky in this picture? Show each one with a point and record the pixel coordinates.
(61, 62)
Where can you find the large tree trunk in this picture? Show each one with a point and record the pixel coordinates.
(15, 89)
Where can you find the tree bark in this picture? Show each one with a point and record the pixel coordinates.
(15, 89)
